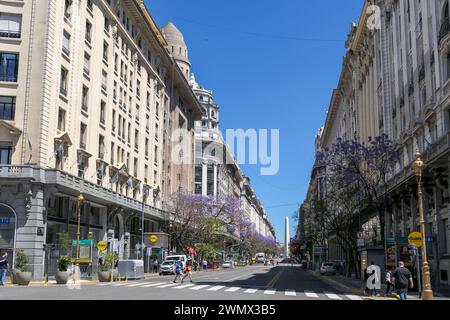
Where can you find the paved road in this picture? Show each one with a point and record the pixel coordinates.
(249, 283)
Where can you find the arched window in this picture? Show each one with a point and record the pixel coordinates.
(116, 228)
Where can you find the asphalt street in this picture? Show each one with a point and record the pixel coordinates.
(247, 283)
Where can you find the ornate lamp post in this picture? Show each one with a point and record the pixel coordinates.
(417, 167)
(80, 201)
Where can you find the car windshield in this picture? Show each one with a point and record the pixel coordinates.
(328, 265)
(173, 258)
(167, 263)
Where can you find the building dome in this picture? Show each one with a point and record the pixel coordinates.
(177, 47)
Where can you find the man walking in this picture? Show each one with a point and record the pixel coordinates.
(3, 267)
(178, 271)
(401, 279)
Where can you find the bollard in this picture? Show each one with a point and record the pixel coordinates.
(126, 277)
(46, 280)
(110, 277)
(120, 278)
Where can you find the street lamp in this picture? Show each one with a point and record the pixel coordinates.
(80, 201)
(417, 167)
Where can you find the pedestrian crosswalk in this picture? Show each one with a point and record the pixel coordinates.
(216, 287)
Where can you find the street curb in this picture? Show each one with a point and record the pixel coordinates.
(337, 284)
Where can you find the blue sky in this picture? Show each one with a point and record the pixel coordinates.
(271, 65)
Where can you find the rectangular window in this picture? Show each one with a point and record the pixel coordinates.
(445, 246)
(68, 9)
(61, 120)
(90, 5)
(135, 167)
(10, 25)
(156, 154)
(66, 43)
(146, 147)
(103, 112)
(105, 51)
(9, 63)
(101, 147)
(83, 136)
(114, 121)
(88, 34)
(87, 64)
(136, 139)
(104, 80)
(146, 174)
(63, 84)
(5, 154)
(112, 153)
(84, 100)
(7, 107)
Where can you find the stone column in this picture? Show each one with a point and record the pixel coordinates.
(215, 179)
(204, 179)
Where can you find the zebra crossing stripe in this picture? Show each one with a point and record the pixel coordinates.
(250, 291)
(271, 292)
(184, 286)
(137, 284)
(104, 284)
(311, 294)
(216, 288)
(290, 293)
(168, 285)
(120, 284)
(153, 284)
(333, 296)
(353, 297)
(199, 287)
(233, 289)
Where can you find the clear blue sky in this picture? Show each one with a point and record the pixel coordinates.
(271, 65)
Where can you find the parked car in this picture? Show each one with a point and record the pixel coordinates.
(167, 267)
(180, 257)
(227, 264)
(328, 268)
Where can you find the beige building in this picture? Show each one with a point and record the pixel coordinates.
(91, 100)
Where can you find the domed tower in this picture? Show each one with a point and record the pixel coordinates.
(177, 47)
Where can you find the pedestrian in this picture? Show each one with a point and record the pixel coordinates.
(155, 266)
(388, 282)
(402, 279)
(178, 271)
(187, 271)
(205, 265)
(4, 267)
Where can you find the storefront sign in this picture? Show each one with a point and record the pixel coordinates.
(153, 238)
(7, 227)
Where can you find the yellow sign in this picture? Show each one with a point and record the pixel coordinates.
(102, 246)
(153, 238)
(415, 238)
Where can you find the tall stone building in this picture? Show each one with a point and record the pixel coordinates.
(90, 100)
(400, 70)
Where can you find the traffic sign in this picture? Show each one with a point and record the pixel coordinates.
(102, 246)
(415, 238)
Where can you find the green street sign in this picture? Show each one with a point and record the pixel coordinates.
(82, 242)
(390, 240)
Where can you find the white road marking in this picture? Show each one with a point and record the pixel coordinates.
(153, 284)
(120, 284)
(311, 294)
(290, 293)
(216, 288)
(104, 284)
(333, 296)
(138, 284)
(199, 287)
(353, 297)
(233, 289)
(184, 286)
(168, 285)
(251, 291)
(270, 292)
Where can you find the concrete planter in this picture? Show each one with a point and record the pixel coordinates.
(23, 278)
(62, 277)
(13, 275)
(104, 276)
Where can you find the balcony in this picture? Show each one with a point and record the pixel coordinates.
(10, 34)
(8, 78)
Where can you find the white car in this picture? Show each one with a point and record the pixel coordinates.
(328, 268)
(227, 264)
(167, 267)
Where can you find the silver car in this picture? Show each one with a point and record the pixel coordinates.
(167, 267)
(328, 268)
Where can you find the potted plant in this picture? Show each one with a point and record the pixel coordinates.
(22, 276)
(62, 275)
(107, 262)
